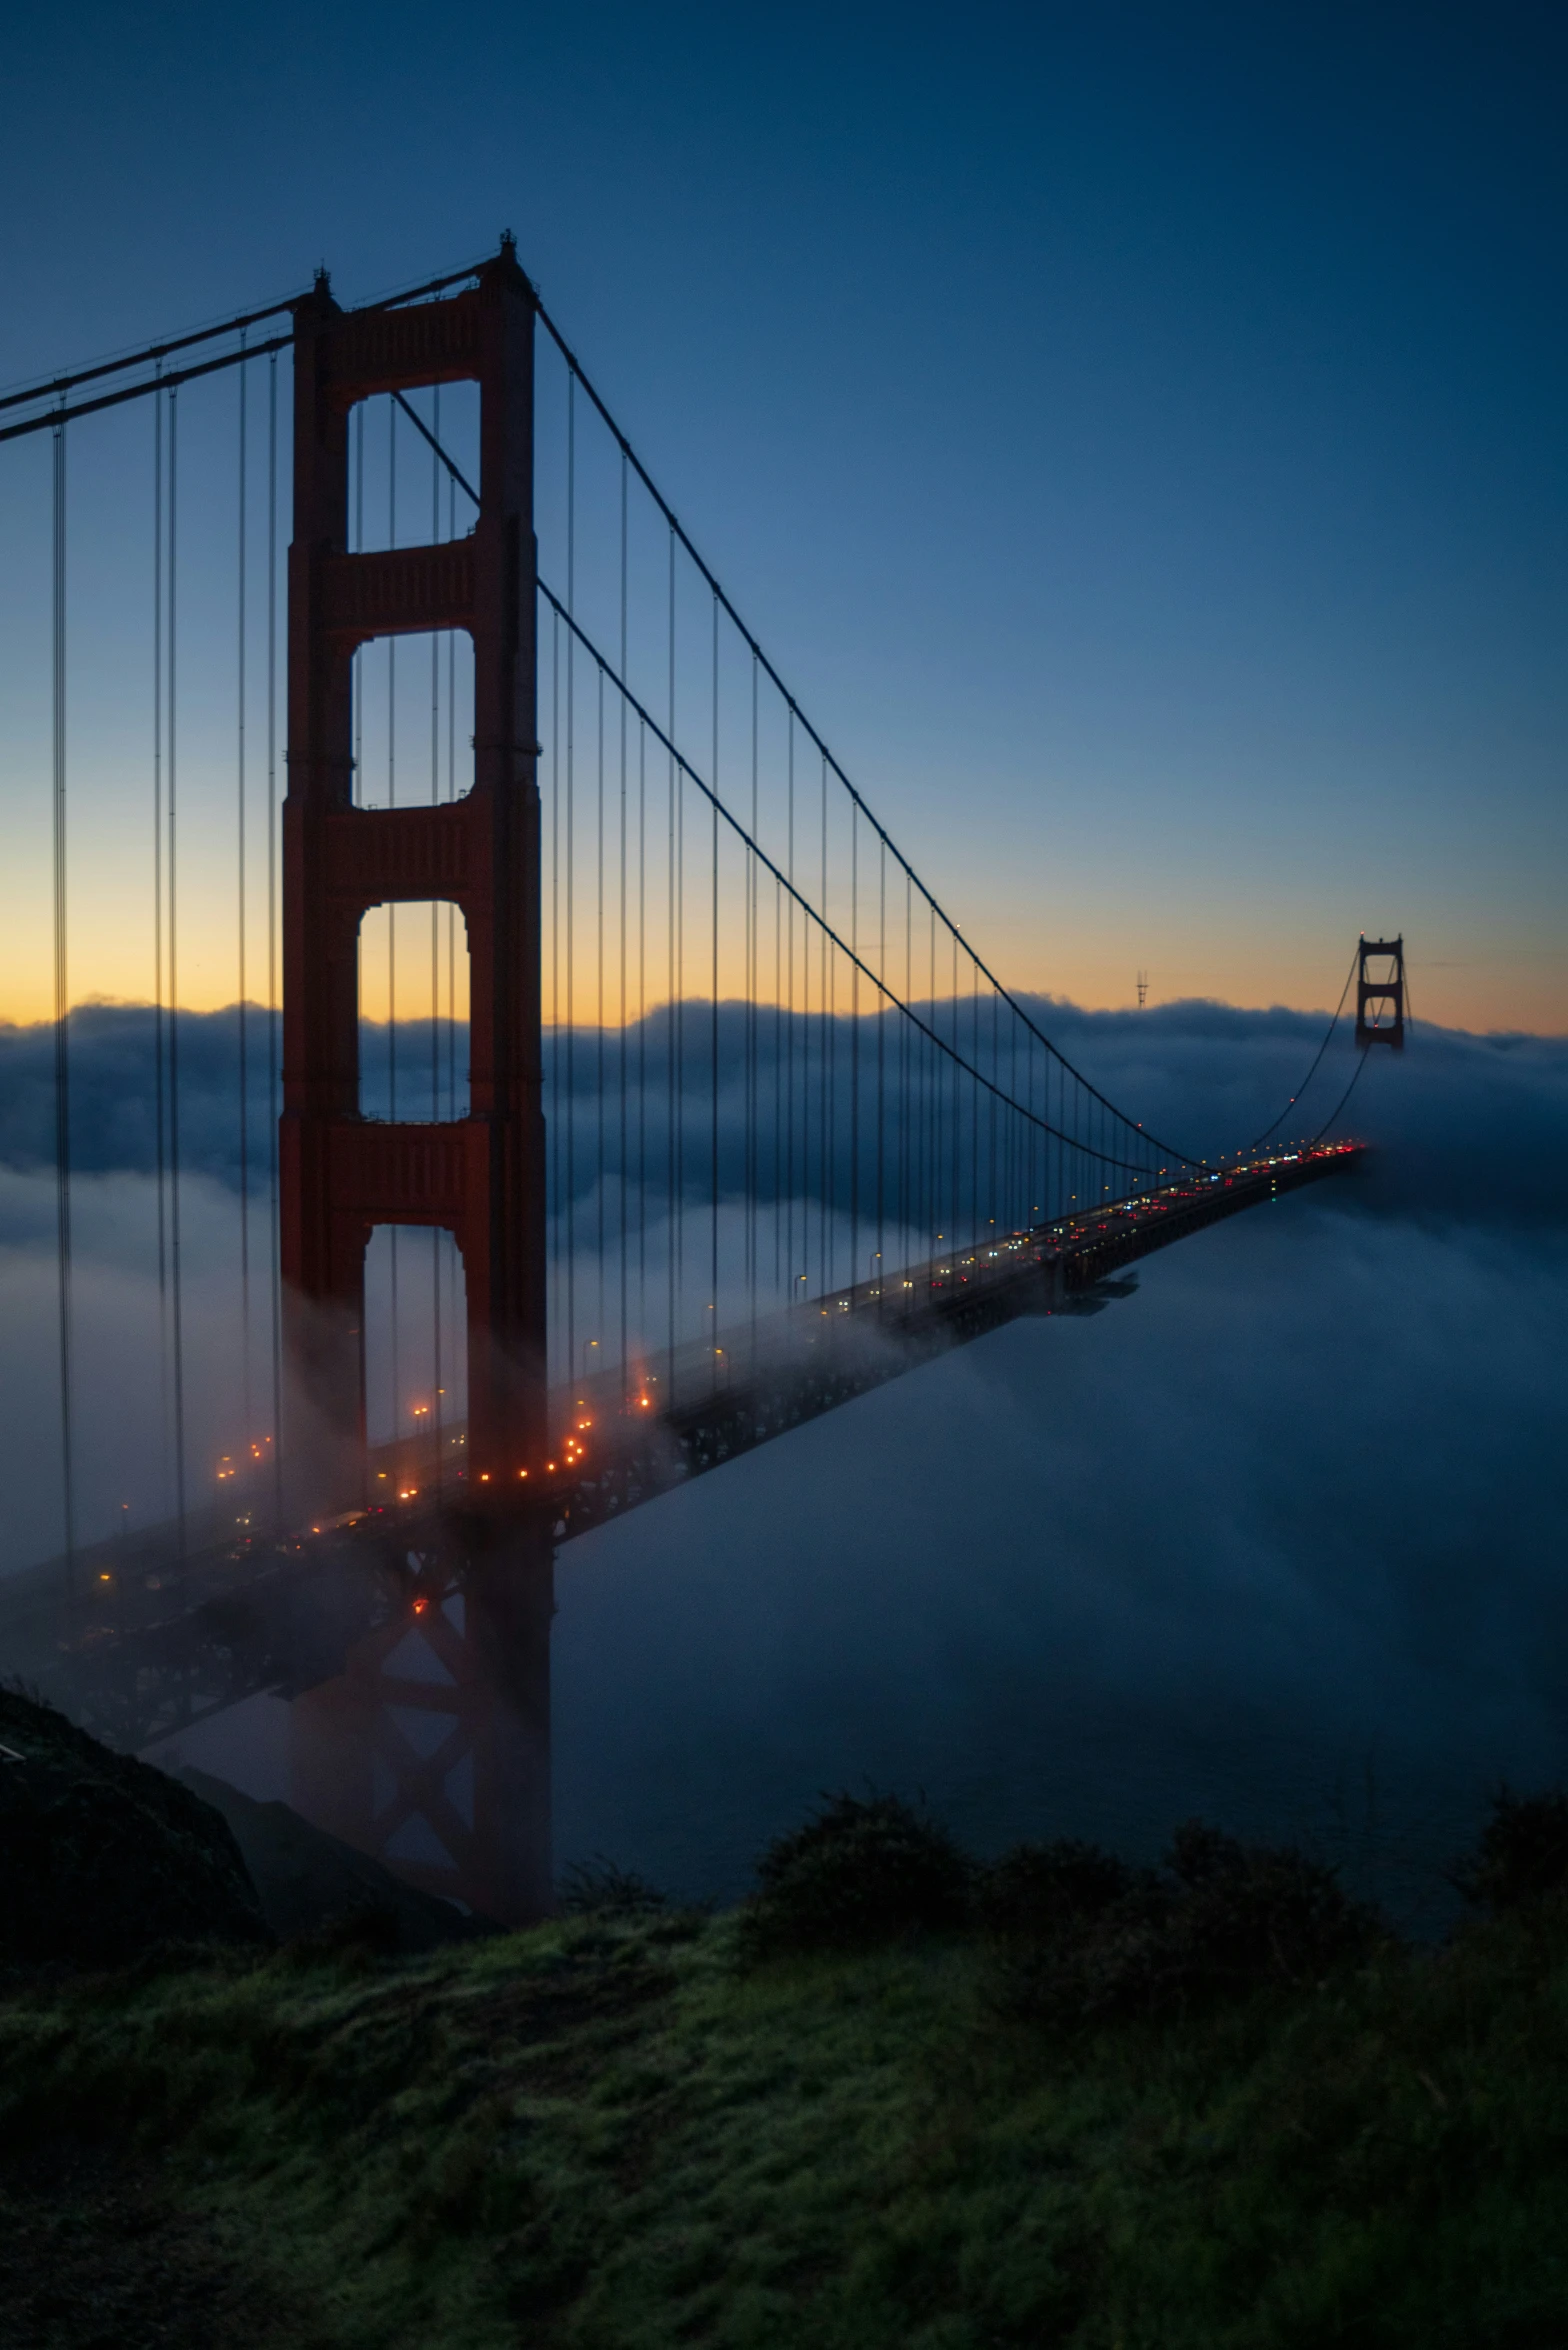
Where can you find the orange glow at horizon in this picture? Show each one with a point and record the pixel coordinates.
(1465, 973)
(1504, 1000)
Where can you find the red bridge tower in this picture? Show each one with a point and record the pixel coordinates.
(478, 1610)
(480, 1177)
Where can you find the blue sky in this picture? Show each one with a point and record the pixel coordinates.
(1136, 433)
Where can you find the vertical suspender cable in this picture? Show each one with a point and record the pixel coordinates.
(62, 1046)
(966, 1114)
(361, 662)
(916, 1219)
(999, 1201)
(778, 1085)
(239, 813)
(824, 1162)
(680, 975)
(854, 1045)
(555, 968)
(807, 1097)
(802, 1288)
(360, 693)
(976, 1224)
(272, 931)
(1029, 1136)
(713, 1170)
(905, 1219)
(160, 1115)
(950, 1078)
(642, 1036)
(669, 1025)
(174, 1011)
(936, 1088)
(397, 1375)
(941, 1195)
(673, 1037)
(752, 957)
(437, 1390)
(451, 793)
(919, 1055)
(599, 1006)
(932, 1152)
(621, 1166)
(452, 1272)
(881, 1013)
(571, 753)
(789, 1030)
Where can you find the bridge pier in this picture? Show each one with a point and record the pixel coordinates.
(431, 1750)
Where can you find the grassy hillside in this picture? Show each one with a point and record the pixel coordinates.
(622, 2131)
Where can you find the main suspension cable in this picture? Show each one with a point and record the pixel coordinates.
(1332, 1118)
(859, 807)
(159, 383)
(152, 354)
(1317, 1056)
(679, 534)
(148, 356)
(681, 765)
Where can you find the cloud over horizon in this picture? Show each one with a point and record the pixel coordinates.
(1470, 1126)
(1279, 1538)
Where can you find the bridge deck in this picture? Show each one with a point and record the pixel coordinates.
(146, 1642)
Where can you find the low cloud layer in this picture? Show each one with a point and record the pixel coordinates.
(1278, 1538)
(1468, 1127)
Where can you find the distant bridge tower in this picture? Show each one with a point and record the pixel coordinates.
(480, 1177)
(1384, 990)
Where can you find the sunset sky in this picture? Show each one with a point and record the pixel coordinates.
(1136, 434)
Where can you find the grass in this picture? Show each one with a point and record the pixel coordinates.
(608, 2134)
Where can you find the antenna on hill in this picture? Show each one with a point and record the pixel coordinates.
(1143, 989)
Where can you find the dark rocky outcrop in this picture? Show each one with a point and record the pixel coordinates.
(310, 1882)
(102, 1857)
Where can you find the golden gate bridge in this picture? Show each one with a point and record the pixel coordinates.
(692, 1113)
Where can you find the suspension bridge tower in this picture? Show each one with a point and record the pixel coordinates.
(1380, 992)
(480, 1177)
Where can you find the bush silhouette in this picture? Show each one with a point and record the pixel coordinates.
(601, 1888)
(1251, 1911)
(1221, 1920)
(860, 1870)
(1045, 1890)
(1521, 1854)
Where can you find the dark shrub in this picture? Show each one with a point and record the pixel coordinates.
(598, 1888)
(1521, 1854)
(1220, 1921)
(860, 1870)
(1248, 1912)
(1045, 1890)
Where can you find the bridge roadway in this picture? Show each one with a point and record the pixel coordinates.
(143, 1643)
